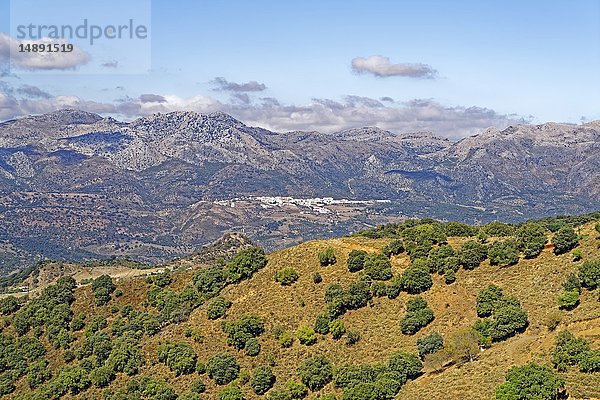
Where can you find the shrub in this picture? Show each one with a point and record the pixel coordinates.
(430, 344)
(394, 288)
(263, 379)
(507, 321)
(102, 376)
(241, 330)
(327, 257)
(38, 373)
(487, 300)
(590, 361)
(472, 254)
(589, 274)
(245, 263)
(440, 258)
(210, 281)
(9, 305)
(162, 279)
(315, 372)
(503, 253)
(406, 364)
(393, 248)
(356, 260)
(179, 357)
(565, 240)
(317, 278)
(322, 323)
(352, 337)
(74, 379)
(198, 386)
(126, 355)
(222, 368)
(217, 308)
(416, 278)
(286, 340)
(378, 267)
(103, 287)
(252, 347)
(286, 276)
(450, 276)
(531, 381)
(576, 254)
(569, 350)
(572, 283)
(569, 299)
(357, 295)
(498, 229)
(413, 321)
(349, 375)
(231, 393)
(531, 239)
(460, 229)
(295, 390)
(306, 336)
(337, 328)
(463, 345)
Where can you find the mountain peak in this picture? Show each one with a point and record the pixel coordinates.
(70, 116)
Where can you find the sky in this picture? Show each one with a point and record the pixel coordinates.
(453, 68)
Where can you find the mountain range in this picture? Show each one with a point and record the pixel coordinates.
(75, 185)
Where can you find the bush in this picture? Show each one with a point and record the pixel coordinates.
(487, 300)
(498, 229)
(126, 355)
(74, 379)
(418, 315)
(315, 372)
(429, 344)
(162, 279)
(103, 287)
(252, 347)
(222, 368)
(589, 274)
(9, 305)
(231, 393)
(590, 361)
(245, 263)
(569, 299)
(565, 240)
(503, 253)
(179, 357)
(327, 257)
(322, 323)
(317, 278)
(217, 308)
(263, 379)
(286, 340)
(337, 328)
(306, 336)
(531, 239)
(356, 260)
(352, 337)
(198, 386)
(569, 350)
(463, 345)
(378, 267)
(286, 276)
(531, 381)
(441, 258)
(507, 321)
(393, 248)
(460, 229)
(406, 364)
(572, 283)
(210, 281)
(576, 254)
(416, 278)
(472, 254)
(102, 376)
(450, 277)
(241, 330)
(357, 295)
(38, 373)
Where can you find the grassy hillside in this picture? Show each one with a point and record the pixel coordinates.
(179, 310)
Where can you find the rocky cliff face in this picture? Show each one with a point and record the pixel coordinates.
(76, 185)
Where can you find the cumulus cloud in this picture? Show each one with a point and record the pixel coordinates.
(152, 98)
(222, 84)
(9, 54)
(382, 67)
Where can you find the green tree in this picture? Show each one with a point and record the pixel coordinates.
(315, 372)
(378, 267)
(322, 323)
(222, 368)
(416, 278)
(589, 274)
(103, 287)
(406, 364)
(337, 328)
(393, 248)
(179, 357)
(306, 336)
(503, 253)
(9, 305)
(487, 300)
(231, 393)
(217, 308)
(263, 379)
(210, 281)
(472, 254)
(429, 344)
(245, 263)
(531, 382)
(569, 299)
(252, 347)
(565, 240)
(531, 239)
(356, 260)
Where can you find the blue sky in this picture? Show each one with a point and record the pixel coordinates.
(495, 63)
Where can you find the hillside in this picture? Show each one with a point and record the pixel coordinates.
(76, 186)
(164, 315)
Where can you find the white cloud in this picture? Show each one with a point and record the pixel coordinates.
(382, 67)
